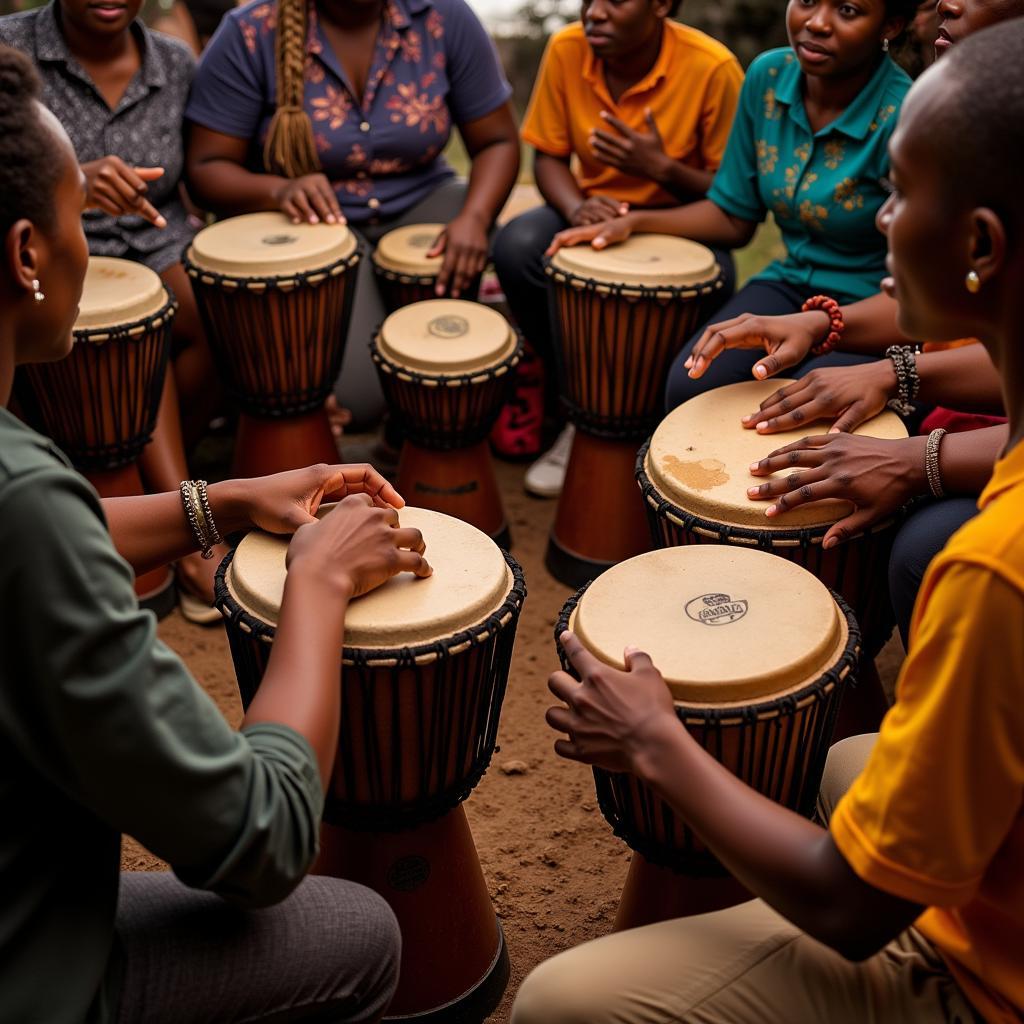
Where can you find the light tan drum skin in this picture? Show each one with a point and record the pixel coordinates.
(444, 366)
(694, 474)
(621, 315)
(100, 403)
(276, 300)
(405, 274)
(756, 653)
(423, 674)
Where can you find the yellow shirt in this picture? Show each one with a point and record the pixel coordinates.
(937, 815)
(692, 91)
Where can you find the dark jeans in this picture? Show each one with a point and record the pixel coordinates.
(765, 298)
(329, 952)
(518, 253)
(920, 539)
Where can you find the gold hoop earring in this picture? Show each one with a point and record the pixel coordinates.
(38, 295)
(972, 282)
(885, 45)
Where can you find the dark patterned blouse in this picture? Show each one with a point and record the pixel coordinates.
(144, 130)
(434, 66)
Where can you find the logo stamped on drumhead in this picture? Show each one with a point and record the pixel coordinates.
(424, 240)
(279, 239)
(448, 326)
(408, 873)
(716, 609)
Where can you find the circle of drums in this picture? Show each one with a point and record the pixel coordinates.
(758, 631)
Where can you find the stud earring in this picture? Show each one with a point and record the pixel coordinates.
(885, 45)
(972, 282)
(39, 296)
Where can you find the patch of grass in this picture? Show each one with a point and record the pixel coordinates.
(765, 246)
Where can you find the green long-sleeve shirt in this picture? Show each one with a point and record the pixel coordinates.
(102, 732)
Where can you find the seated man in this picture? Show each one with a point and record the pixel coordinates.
(644, 105)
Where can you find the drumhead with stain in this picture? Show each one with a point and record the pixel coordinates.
(117, 293)
(404, 250)
(722, 624)
(700, 458)
(446, 337)
(269, 245)
(470, 581)
(650, 261)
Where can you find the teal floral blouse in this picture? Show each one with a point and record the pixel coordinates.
(823, 188)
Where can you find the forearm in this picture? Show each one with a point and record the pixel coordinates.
(960, 378)
(151, 530)
(703, 221)
(300, 686)
(966, 459)
(227, 188)
(556, 184)
(779, 856)
(870, 325)
(684, 182)
(492, 174)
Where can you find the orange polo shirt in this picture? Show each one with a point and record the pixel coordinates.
(937, 817)
(692, 91)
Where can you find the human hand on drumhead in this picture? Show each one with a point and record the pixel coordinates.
(356, 547)
(877, 475)
(849, 395)
(600, 236)
(787, 339)
(611, 717)
(120, 190)
(639, 154)
(285, 501)
(597, 209)
(464, 245)
(309, 199)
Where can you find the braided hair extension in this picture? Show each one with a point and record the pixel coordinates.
(29, 166)
(290, 148)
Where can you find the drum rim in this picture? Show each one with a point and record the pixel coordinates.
(677, 291)
(282, 282)
(762, 709)
(393, 271)
(424, 653)
(448, 380)
(781, 536)
(131, 329)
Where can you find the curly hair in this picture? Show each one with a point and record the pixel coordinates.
(290, 148)
(29, 164)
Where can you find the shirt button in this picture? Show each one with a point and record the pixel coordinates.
(364, 126)
(374, 203)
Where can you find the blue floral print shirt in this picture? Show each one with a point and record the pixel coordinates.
(434, 66)
(823, 188)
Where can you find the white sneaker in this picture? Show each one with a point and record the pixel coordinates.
(545, 477)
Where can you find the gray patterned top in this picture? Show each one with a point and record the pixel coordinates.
(144, 129)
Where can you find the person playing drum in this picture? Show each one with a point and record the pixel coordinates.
(910, 905)
(808, 146)
(644, 105)
(103, 731)
(327, 109)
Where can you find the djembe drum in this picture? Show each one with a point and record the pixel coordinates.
(756, 653)
(694, 474)
(404, 272)
(444, 368)
(423, 675)
(276, 300)
(621, 315)
(100, 403)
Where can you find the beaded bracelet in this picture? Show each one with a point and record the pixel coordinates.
(835, 318)
(931, 462)
(908, 383)
(196, 504)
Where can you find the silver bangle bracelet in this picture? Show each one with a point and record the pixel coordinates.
(196, 504)
(931, 462)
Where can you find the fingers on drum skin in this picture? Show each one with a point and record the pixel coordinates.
(410, 539)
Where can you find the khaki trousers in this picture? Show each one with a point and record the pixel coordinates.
(745, 965)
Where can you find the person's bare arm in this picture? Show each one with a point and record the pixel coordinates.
(557, 184)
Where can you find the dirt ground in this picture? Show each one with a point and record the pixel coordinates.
(553, 866)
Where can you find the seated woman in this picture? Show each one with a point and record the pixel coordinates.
(808, 145)
(120, 92)
(331, 110)
(909, 904)
(644, 106)
(103, 731)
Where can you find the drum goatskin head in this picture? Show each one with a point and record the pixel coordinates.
(651, 261)
(404, 250)
(118, 292)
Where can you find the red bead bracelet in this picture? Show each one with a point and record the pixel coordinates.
(836, 325)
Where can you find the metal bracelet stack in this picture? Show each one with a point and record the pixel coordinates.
(908, 383)
(196, 503)
(931, 462)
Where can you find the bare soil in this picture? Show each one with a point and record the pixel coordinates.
(553, 866)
